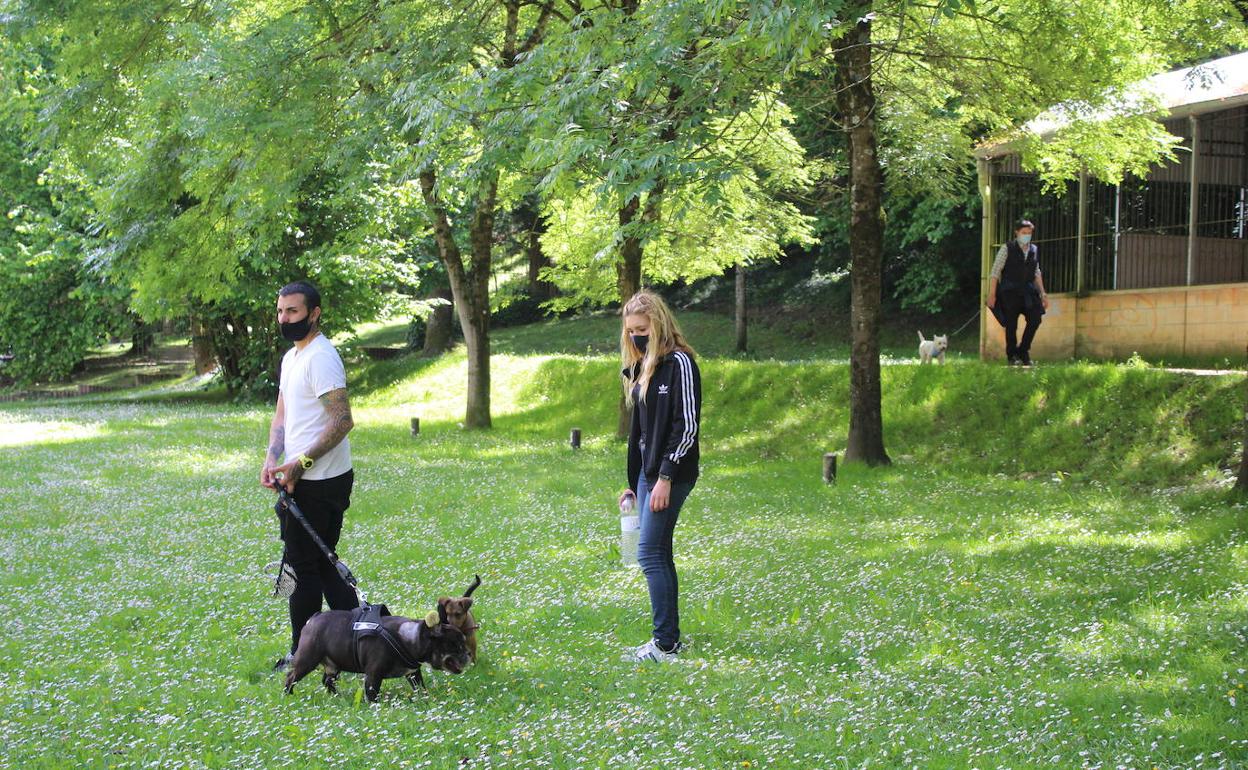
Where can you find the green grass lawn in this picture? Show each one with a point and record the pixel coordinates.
(1060, 585)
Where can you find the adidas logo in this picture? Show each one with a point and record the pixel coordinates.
(662, 390)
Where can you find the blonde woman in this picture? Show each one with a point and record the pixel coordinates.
(664, 389)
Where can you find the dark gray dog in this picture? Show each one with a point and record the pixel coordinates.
(329, 640)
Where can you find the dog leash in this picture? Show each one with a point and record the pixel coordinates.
(288, 502)
(968, 323)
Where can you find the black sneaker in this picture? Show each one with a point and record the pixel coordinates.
(1012, 361)
(1024, 359)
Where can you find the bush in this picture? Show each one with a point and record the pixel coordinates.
(521, 309)
(51, 314)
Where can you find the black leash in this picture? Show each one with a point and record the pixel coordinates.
(288, 502)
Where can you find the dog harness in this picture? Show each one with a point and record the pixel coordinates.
(366, 622)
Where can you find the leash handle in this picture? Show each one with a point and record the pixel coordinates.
(288, 502)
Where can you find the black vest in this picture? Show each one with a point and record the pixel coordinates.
(1020, 269)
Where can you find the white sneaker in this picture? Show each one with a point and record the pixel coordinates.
(651, 651)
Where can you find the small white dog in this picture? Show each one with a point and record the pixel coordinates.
(933, 348)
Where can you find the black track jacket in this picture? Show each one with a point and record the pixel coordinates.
(664, 434)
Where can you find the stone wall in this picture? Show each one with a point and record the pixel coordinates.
(1186, 321)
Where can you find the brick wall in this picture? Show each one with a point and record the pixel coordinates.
(1194, 320)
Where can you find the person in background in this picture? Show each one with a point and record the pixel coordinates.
(1016, 287)
(664, 388)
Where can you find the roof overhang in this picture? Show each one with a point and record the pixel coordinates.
(1210, 87)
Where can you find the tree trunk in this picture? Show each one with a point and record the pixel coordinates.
(628, 269)
(470, 288)
(476, 318)
(855, 98)
(201, 346)
(225, 346)
(438, 327)
(628, 279)
(142, 340)
(741, 311)
(539, 289)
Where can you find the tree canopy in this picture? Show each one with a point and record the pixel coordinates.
(176, 160)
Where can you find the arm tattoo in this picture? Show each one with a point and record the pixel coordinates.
(340, 423)
(277, 442)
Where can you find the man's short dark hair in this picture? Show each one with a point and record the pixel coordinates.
(311, 297)
(1019, 225)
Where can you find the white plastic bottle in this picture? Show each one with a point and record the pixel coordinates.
(630, 529)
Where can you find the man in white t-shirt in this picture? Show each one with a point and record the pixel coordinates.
(309, 431)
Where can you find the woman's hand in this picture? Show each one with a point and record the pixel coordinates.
(992, 300)
(661, 495)
(1044, 300)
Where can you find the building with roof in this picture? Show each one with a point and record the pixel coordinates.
(1157, 264)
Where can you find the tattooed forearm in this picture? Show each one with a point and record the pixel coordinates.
(277, 441)
(338, 408)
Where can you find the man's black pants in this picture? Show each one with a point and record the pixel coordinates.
(323, 502)
(1014, 304)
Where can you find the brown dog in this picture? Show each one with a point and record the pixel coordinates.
(458, 615)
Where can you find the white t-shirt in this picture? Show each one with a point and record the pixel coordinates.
(307, 375)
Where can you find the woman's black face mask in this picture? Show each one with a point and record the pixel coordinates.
(640, 341)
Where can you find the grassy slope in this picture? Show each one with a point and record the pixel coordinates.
(959, 609)
(711, 333)
(1103, 422)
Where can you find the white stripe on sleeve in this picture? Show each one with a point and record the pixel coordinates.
(687, 404)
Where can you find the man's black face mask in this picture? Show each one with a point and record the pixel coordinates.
(296, 330)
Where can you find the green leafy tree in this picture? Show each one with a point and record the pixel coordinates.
(53, 308)
(466, 105)
(917, 85)
(225, 151)
(738, 218)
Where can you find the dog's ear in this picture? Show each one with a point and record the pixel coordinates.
(465, 603)
(442, 610)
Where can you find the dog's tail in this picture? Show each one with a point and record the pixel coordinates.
(921, 337)
(474, 585)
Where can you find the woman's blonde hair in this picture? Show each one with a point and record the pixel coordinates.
(665, 337)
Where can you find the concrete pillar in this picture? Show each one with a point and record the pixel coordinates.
(1081, 241)
(1194, 207)
(987, 228)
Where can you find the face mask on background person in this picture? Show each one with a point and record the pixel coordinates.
(1023, 240)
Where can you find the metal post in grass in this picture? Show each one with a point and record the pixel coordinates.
(829, 467)
(575, 440)
(415, 426)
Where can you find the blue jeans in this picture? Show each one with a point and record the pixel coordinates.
(654, 553)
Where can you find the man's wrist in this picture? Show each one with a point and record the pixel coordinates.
(665, 477)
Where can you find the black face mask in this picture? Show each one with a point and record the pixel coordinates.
(296, 330)
(640, 341)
